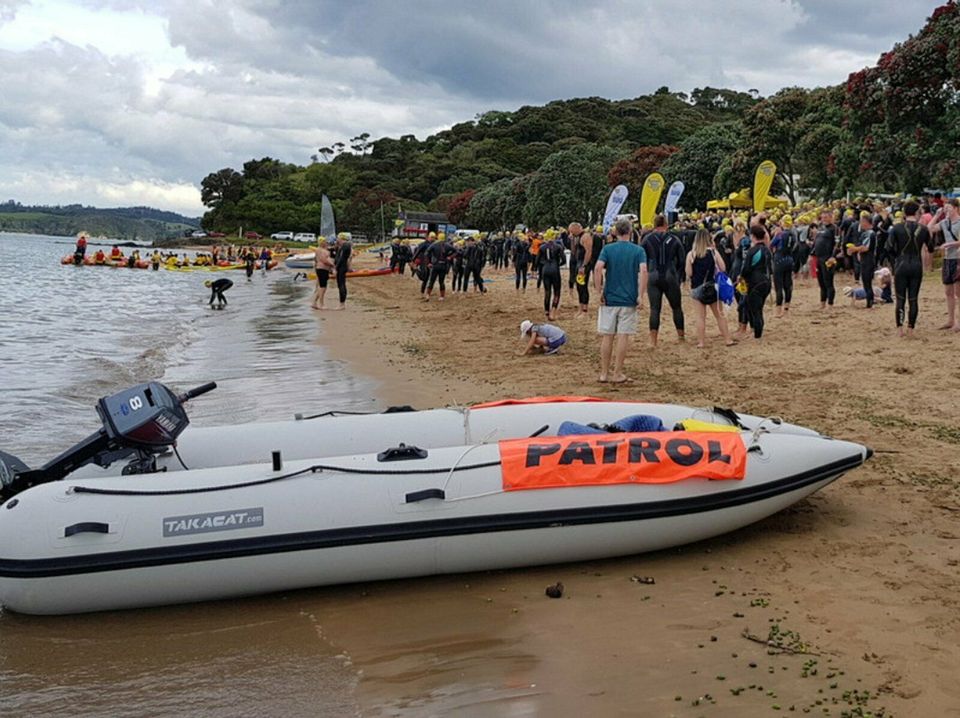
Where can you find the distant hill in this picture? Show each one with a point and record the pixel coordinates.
(123, 223)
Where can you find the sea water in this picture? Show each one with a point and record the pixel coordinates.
(69, 335)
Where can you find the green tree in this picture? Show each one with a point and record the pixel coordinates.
(698, 160)
(225, 185)
(570, 185)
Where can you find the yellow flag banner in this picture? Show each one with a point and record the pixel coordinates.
(762, 182)
(650, 197)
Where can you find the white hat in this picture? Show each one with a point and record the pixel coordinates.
(525, 326)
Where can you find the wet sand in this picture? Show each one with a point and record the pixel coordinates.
(861, 578)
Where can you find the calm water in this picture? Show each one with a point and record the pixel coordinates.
(69, 335)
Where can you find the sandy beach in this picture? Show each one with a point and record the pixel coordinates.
(856, 584)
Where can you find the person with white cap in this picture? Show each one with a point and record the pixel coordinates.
(546, 338)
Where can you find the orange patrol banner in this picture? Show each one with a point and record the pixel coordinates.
(762, 182)
(538, 400)
(604, 459)
(650, 197)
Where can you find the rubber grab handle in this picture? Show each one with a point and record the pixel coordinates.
(197, 391)
(93, 527)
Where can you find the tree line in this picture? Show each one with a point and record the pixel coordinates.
(892, 127)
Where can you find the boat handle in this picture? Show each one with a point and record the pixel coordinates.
(94, 527)
(402, 453)
(423, 494)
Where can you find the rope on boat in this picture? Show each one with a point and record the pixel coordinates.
(269, 480)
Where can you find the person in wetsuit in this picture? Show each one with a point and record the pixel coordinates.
(421, 263)
(549, 259)
(865, 250)
(217, 288)
(665, 261)
(395, 256)
(439, 256)
(825, 249)
(341, 265)
(784, 247)
(521, 262)
(249, 262)
(907, 241)
(571, 241)
(755, 271)
(473, 261)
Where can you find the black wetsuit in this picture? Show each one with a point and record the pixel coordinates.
(783, 265)
(724, 244)
(473, 260)
(549, 260)
(521, 262)
(868, 264)
(905, 242)
(849, 232)
(755, 271)
(824, 248)
(341, 263)
(579, 265)
(249, 262)
(686, 238)
(439, 256)
(217, 289)
(422, 264)
(459, 278)
(395, 257)
(665, 260)
(576, 256)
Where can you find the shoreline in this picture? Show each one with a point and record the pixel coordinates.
(865, 570)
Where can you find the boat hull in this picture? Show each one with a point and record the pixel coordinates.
(356, 519)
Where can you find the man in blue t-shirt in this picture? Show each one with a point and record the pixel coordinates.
(620, 279)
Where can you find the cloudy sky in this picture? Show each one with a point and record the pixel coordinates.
(124, 102)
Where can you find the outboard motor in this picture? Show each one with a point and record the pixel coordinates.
(140, 422)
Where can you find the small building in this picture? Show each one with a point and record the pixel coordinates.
(417, 225)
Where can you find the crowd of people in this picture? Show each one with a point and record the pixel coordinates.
(743, 259)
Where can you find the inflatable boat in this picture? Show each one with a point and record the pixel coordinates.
(303, 260)
(120, 521)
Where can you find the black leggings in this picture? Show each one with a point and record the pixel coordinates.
(477, 279)
(783, 281)
(825, 279)
(756, 298)
(907, 278)
(439, 272)
(342, 285)
(583, 290)
(521, 270)
(551, 283)
(657, 288)
(866, 275)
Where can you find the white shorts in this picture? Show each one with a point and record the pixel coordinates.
(617, 320)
